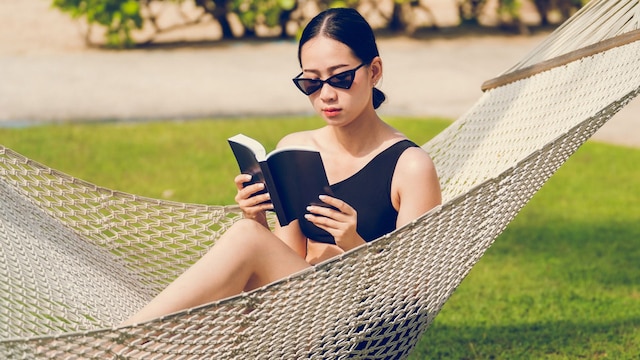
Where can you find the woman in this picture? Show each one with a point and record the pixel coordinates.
(380, 180)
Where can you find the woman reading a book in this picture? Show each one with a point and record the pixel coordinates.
(379, 179)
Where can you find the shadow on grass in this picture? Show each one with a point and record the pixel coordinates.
(548, 288)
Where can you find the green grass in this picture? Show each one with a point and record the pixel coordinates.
(183, 161)
(562, 282)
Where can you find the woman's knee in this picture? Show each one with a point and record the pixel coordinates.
(246, 231)
(249, 227)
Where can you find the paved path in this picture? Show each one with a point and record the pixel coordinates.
(44, 79)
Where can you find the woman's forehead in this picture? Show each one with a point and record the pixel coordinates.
(322, 52)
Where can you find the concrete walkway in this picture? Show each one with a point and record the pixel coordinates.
(45, 79)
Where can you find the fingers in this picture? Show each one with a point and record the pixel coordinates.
(325, 223)
(341, 225)
(250, 191)
(245, 192)
(337, 218)
(255, 205)
(335, 205)
(252, 198)
(241, 179)
(336, 213)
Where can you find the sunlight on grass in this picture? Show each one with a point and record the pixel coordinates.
(562, 282)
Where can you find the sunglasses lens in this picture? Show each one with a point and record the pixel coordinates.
(308, 86)
(343, 80)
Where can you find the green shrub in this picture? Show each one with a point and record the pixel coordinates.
(119, 17)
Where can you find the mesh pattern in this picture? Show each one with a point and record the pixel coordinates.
(76, 258)
(509, 123)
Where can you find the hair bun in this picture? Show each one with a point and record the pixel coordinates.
(378, 98)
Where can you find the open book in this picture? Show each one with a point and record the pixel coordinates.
(294, 177)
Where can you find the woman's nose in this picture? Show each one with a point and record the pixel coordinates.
(327, 92)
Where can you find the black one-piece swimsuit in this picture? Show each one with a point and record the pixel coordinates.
(369, 192)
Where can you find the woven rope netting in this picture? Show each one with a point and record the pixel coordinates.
(76, 259)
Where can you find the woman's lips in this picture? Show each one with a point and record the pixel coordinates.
(331, 111)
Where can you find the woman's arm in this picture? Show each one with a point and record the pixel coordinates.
(415, 188)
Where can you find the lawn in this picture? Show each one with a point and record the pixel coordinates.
(183, 161)
(562, 282)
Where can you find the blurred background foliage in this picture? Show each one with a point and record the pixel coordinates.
(130, 23)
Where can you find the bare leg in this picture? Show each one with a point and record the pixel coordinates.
(247, 256)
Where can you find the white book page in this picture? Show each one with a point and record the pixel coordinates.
(252, 144)
(290, 148)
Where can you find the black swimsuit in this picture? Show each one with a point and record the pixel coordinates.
(369, 192)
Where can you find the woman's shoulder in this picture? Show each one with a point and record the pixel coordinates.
(415, 160)
(301, 138)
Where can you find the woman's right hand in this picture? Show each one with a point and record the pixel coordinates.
(253, 207)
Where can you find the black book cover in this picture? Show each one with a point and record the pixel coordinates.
(294, 177)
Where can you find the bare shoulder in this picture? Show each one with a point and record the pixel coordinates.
(302, 138)
(415, 161)
(415, 185)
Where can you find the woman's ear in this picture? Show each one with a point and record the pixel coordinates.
(376, 70)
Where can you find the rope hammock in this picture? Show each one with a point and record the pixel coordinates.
(76, 258)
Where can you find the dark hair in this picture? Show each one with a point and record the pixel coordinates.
(347, 26)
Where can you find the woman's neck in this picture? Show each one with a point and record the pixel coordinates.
(361, 136)
(346, 149)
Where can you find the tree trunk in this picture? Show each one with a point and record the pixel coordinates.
(220, 13)
(218, 9)
(285, 16)
(395, 23)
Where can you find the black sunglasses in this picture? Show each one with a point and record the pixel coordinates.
(343, 80)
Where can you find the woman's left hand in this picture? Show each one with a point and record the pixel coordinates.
(340, 221)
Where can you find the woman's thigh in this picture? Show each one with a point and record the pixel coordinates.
(266, 256)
